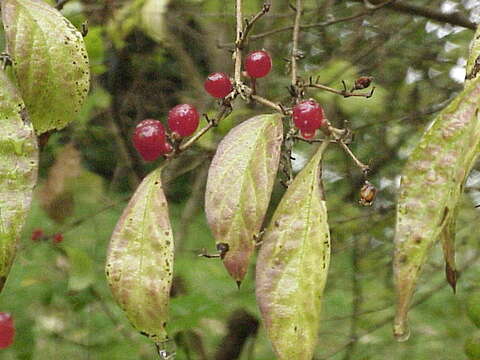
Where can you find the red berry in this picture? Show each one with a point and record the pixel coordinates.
(218, 85)
(308, 116)
(150, 140)
(7, 330)
(57, 238)
(258, 64)
(37, 234)
(183, 119)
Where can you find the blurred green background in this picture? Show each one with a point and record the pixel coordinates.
(148, 56)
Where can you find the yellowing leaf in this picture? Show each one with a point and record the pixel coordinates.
(49, 59)
(18, 171)
(431, 185)
(140, 259)
(239, 185)
(292, 266)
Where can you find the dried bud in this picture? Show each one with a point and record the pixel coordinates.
(367, 194)
(363, 82)
(222, 249)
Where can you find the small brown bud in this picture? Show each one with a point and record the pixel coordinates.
(223, 249)
(367, 194)
(363, 82)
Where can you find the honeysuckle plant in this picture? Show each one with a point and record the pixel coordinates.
(44, 82)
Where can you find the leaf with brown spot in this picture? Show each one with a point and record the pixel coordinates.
(239, 185)
(140, 259)
(18, 171)
(49, 59)
(431, 185)
(292, 265)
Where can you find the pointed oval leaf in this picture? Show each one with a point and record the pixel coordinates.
(239, 185)
(140, 259)
(432, 182)
(292, 265)
(18, 171)
(49, 60)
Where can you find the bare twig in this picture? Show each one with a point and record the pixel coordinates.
(365, 168)
(321, 24)
(436, 15)
(223, 112)
(295, 35)
(238, 42)
(249, 23)
(343, 92)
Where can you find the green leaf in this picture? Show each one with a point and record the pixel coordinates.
(292, 265)
(81, 273)
(153, 19)
(49, 60)
(239, 185)
(18, 171)
(431, 185)
(140, 259)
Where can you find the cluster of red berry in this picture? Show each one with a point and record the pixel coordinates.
(150, 137)
(38, 235)
(7, 330)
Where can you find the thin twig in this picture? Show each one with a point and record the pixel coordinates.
(343, 93)
(320, 24)
(249, 23)
(295, 35)
(60, 4)
(365, 168)
(238, 42)
(223, 112)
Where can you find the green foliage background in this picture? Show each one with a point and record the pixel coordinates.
(58, 294)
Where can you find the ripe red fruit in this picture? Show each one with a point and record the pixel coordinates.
(308, 116)
(37, 234)
(258, 64)
(7, 330)
(150, 140)
(183, 119)
(57, 238)
(218, 85)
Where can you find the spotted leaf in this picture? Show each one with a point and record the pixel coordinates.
(49, 60)
(140, 259)
(18, 171)
(240, 182)
(292, 265)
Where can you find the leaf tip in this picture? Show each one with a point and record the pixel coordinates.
(401, 330)
(451, 275)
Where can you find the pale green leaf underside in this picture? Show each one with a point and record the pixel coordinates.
(240, 182)
(18, 171)
(140, 259)
(292, 266)
(432, 182)
(50, 62)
